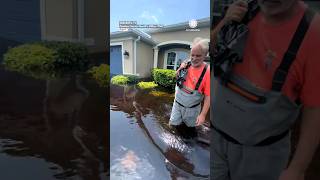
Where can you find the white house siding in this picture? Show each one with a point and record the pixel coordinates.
(61, 20)
(144, 59)
(128, 62)
(181, 35)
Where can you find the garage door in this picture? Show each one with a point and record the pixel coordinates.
(20, 20)
(115, 60)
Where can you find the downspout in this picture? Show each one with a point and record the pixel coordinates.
(135, 55)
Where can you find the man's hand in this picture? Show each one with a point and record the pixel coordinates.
(236, 11)
(307, 145)
(182, 65)
(200, 120)
(290, 174)
(202, 116)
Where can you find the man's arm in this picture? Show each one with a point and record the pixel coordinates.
(307, 145)
(202, 116)
(214, 32)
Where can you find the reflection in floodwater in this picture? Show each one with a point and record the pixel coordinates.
(142, 142)
(59, 123)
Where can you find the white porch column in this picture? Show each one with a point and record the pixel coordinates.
(155, 57)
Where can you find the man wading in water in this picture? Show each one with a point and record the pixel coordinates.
(192, 90)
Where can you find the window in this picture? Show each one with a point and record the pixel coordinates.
(171, 60)
(175, 58)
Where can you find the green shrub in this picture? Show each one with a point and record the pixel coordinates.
(147, 85)
(132, 79)
(70, 56)
(101, 74)
(47, 59)
(124, 79)
(29, 58)
(164, 77)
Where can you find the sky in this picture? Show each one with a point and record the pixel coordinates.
(163, 12)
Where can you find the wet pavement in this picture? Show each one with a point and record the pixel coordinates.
(143, 146)
(53, 129)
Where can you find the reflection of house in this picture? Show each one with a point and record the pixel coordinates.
(67, 20)
(136, 52)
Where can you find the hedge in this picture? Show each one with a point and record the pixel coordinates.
(164, 77)
(147, 85)
(70, 56)
(48, 58)
(101, 74)
(124, 79)
(29, 57)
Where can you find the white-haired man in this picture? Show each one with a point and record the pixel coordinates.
(193, 89)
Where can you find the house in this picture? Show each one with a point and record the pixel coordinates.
(67, 20)
(136, 52)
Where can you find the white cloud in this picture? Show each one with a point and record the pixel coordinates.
(147, 15)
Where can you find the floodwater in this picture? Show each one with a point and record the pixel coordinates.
(53, 129)
(142, 145)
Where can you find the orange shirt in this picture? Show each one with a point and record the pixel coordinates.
(193, 76)
(264, 51)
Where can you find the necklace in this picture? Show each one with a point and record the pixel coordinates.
(268, 53)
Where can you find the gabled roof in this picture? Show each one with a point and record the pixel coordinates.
(135, 33)
(204, 22)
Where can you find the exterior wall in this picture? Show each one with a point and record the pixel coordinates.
(96, 24)
(60, 19)
(128, 62)
(144, 59)
(61, 22)
(181, 35)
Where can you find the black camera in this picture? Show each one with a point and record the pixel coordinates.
(182, 75)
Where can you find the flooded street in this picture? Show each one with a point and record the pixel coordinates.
(143, 146)
(52, 129)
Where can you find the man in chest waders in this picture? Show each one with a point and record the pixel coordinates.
(256, 94)
(192, 89)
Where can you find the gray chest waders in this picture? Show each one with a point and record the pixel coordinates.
(243, 114)
(188, 98)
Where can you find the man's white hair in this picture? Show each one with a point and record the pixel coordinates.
(203, 43)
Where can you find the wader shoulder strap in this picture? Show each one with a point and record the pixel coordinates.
(290, 55)
(201, 77)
